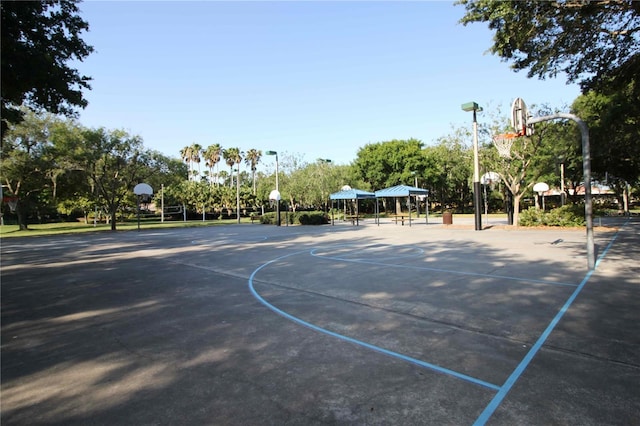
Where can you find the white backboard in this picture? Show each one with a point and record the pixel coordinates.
(519, 116)
(143, 189)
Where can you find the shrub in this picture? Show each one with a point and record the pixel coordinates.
(569, 216)
(296, 218)
(312, 218)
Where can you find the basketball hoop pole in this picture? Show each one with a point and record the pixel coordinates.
(477, 196)
(586, 170)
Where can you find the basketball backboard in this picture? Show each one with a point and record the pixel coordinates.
(540, 188)
(519, 116)
(490, 178)
(143, 189)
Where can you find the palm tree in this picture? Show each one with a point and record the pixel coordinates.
(252, 159)
(232, 156)
(223, 175)
(186, 154)
(196, 151)
(212, 158)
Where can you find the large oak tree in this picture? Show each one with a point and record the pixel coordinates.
(40, 39)
(592, 42)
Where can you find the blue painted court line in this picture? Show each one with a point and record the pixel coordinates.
(511, 380)
(426, 268)
(515, 375)
(355, 341)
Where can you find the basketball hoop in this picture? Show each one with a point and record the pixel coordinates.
(503, 143)
(519, 117)
(490, 178)
(12, 202)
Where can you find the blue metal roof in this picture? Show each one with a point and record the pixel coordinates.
(401, 191)
(351, 194)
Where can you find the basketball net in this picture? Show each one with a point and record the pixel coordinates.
(12, 202)
(503, 143)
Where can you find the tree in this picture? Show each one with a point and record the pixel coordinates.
(186, 154)
(614, 131)
(252, 158)
(593, 42)
(114, 162)
(39, 40)
(191, 155)
(162, 172)
(390, 163)
(196, 152)
(71, 189)
(232, 156)
(26, 160)
(212, 158)
(450, 170)
(529, 158)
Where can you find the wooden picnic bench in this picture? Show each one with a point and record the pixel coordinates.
(353, 218)
(399, 218)
(255, 217)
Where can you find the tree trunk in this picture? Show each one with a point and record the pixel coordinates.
(22, 221)
(113, 219)
(516, 209)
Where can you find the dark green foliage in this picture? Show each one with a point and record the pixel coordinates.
(390, 163)
(39, 39)
(590, 41)
(311, 218)
(296, 218)
(614, 129)
(569, 216)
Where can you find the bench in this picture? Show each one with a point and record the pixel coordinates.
(353, 218)
(255, 217)
(399, 218)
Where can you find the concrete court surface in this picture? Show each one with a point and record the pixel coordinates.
(322, 325)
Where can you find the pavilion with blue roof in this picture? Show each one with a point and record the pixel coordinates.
(402, 191)
(351, 194)
(391, 192)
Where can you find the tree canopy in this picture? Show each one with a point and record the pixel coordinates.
(614, 126)
(593, 42)
(39, 40)
(389, 163)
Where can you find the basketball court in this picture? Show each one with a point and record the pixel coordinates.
(315, 325)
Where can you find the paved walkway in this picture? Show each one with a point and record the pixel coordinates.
(330, 325)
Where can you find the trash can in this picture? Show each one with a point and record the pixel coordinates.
(447, 218)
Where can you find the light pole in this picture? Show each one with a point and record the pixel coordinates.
(277, 188)
(238, 194)
(324, 200)
(562, 195)
(477, 196)
(415, 184)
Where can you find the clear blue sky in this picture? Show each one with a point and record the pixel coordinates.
(317, 79)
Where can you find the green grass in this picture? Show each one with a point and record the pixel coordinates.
(9, 231)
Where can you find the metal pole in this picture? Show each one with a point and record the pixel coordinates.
(586, 170)
(477, 196)
(426, 208)
(138, 213)
(162, 203)
(277, 189)
(486, 203)
(562, 194)
(238, 194)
